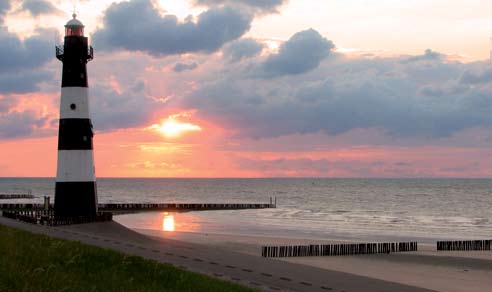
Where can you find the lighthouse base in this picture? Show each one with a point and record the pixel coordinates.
(73, 199)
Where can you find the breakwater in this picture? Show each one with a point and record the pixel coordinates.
(342, 249)
(464, 245)
(142, 207)
(179, 207)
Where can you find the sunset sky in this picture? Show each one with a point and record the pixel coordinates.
(251, 88)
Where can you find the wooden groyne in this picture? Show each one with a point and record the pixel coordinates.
(342, 249)
(464, 245)
(143, 207)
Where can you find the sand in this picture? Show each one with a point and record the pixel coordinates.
(216, 261)
(451, 271)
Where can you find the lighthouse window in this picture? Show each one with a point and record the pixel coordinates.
(74, 31)
(73, 106)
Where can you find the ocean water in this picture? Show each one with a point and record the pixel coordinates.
(375, 209)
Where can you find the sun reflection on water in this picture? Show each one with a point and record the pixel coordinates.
(168, 222)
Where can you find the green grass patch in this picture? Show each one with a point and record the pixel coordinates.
(32, 262)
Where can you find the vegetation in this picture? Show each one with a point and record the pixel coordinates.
(31, 262)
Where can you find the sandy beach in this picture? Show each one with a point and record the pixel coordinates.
(427, 268)
(216, 261)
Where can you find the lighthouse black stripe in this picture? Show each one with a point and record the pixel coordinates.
(75, 134)
(75, 58)
(75, 198)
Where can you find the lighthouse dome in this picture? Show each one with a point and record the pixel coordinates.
(74, 21)
(74, 27)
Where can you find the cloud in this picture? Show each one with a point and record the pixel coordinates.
(260, 5)
(30, 53)
(459, 169)
(341, 95)
(18, 124)
(303, 52)
(6, 104)
(242, 49)
(38, 7)
(4, 8)
(429, 55)
(308, 167)
(471, 77)
(24, 81)
(180, 67)
(283, 166)
(118, 110)
(138, 26)
(403, 164)
(21, 61)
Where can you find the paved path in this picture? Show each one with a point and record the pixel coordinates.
(261, 273)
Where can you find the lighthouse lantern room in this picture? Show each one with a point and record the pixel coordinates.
(75, 190)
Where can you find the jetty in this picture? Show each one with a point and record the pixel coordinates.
(44, 213)
(148, 207)
(138, 207)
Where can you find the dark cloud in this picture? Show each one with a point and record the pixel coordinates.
(429, 55)
(385, 94)
(38, 7)
(180, 67)
(4, 7)
(470, 77)
(21, 61)
(6, 104)
(18, 124)
(242, 49)
(261, 5)
(303, 52)
(30, 53)
(138, 26)
(24, 81)
(21, 72)
(112, 110)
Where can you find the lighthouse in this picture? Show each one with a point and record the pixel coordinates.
(75, 190)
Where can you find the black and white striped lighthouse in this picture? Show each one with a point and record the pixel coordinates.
(76, 191)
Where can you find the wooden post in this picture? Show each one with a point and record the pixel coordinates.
(46, 202)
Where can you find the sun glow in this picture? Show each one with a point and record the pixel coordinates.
(171, 127)
(168, 222)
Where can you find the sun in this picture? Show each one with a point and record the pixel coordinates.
(171, 127)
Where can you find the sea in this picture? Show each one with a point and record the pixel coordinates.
(317, 208)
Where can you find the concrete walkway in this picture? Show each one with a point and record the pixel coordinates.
(256, 272)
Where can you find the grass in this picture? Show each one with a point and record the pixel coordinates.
(31, 262)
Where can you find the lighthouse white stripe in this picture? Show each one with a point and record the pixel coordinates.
(77, 96)
(75, 166)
